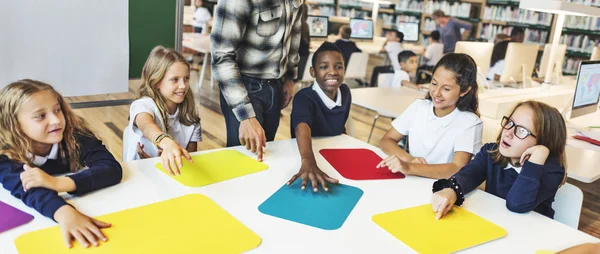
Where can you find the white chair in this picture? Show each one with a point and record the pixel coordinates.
(125, 137)
(567, 205)
(385, 80)
(357, 66)
(350, 127)
(306, 78)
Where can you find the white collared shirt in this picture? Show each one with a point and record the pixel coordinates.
(509, 166)
(41, 160)
(394, 48)
(437, 138)
(329, 103)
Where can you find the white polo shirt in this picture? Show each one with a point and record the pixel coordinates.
(437, 138)
(329, 103)
(182, 134)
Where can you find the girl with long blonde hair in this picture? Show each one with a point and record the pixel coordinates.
(163, 121)
(40, 137)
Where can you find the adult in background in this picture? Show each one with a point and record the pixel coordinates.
(449, 29)
(254, 46)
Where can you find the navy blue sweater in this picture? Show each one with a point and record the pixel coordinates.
(533, 189)
(347, 48)
(309, 108)
(103, 171)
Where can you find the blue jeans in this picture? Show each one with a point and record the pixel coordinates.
(266, 98)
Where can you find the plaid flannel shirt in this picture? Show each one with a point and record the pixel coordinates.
(255, 38)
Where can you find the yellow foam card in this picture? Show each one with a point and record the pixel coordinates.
(418, 228)
(187, 224)
(214, 167)
(545, 252)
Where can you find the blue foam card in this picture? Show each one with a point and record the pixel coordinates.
(325, 210)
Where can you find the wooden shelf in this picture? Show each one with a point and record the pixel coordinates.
(578, 54)
(425, 32)
(494, 22)
(503, 2)
(321, 4)
(473, 1)
(581, 31)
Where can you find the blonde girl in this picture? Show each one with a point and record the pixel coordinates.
(40, 137)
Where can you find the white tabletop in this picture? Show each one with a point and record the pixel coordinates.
(144, 184)
(389, 102)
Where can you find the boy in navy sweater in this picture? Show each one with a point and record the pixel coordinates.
(320, 110)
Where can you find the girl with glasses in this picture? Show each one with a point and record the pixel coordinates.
(525, 166)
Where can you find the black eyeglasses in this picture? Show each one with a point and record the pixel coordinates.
(520, 131)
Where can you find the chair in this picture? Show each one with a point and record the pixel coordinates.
(567, 205)
(350, 126)
(357, 66)
(306, 78)
(385, 80)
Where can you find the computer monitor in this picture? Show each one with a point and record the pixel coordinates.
(595, 54)
(518, 55)
(560, 57)
(587, 91)
(481, 52)
(410, 30)
(361, 28)
(317, 26)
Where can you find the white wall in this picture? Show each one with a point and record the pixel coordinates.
(81, 47)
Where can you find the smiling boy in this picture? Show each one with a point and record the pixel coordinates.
(320, 110)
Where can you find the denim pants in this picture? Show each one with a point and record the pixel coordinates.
(266, 98)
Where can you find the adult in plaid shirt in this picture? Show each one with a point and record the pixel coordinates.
(254, 46)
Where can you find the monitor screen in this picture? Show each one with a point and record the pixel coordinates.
(587, 91)
(361, 29)
(410, 30)
(317, 26)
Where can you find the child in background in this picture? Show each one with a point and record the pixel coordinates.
(201, 17)
(345, 44)
(408, 63)
(320, 110)
(434, 51)
(497, 61)
(525, 166)
(40, 136)
(163, 121)
(444, 128)
(393, 46)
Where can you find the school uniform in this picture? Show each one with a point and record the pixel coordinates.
(496, 69)
(399, 76)
(182, 134)
(201, 17)
(527, 188)
(102, 171)
(347, 47)
(324, 116)
(437, 138)
(434, 53)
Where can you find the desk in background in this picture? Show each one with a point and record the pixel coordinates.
(200, 43)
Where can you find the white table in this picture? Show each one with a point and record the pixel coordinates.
(143, 184)
(200, 43)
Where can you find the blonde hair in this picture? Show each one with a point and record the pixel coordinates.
(551, 132)
(155, 68)
(15, 144)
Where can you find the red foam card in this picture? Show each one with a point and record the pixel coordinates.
(358, 164)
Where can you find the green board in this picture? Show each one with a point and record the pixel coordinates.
(151, 23)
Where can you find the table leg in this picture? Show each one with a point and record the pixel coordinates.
(201, 78)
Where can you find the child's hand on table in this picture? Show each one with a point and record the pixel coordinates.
(442, 201)
(82, 228)
(310, 171)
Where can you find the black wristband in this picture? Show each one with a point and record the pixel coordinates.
(452, 184)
